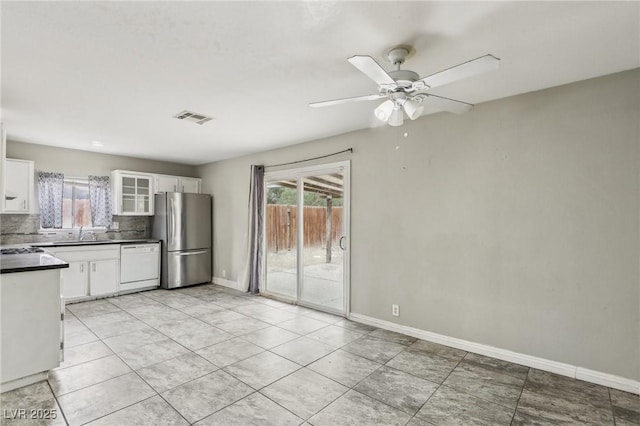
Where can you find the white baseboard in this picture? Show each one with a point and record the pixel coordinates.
(226, 283)
(605, 379)
(609, 380)
(23, 381)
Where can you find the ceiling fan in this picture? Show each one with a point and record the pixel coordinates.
(405, 90)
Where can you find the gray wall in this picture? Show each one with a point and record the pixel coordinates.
(76, 163)
(515, 225)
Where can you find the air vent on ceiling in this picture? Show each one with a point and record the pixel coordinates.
(193, 117)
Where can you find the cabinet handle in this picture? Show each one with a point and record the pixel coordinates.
(175, 188)
(24, 204)
(82, 267)
(93, 267)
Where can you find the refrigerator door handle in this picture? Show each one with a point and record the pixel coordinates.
(170, 218)
(189, 253)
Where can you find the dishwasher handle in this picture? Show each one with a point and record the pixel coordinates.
(152, 247)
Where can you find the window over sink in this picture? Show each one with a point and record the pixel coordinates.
(76, 207)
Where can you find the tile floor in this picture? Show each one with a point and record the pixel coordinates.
(207, 355)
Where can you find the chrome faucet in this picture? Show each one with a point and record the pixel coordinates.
(82, 235)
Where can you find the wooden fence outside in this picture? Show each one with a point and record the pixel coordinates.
(282, 225)
(82, 213)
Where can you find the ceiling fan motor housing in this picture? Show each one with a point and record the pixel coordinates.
(404, 78)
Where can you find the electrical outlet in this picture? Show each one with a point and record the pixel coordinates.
(395, 310)
(224, 273)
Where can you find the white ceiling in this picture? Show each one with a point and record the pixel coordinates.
(117, 72)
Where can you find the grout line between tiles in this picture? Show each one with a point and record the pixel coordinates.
(613, 413)
(438, 387)
(64, 417)
(515, 411)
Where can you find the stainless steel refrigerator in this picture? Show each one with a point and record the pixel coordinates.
(183, 222)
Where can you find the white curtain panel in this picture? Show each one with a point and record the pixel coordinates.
(50, 187)
(100, 200)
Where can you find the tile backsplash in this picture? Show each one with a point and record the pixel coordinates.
(25, 228)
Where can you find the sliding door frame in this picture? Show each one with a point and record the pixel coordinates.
(299, 173)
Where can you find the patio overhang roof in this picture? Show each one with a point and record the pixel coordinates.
(327, 185)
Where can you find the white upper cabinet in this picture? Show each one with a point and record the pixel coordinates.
(167, 183)
(190, 185)
(18, 186)
(132, 193)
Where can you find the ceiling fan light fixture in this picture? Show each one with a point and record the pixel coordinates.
(413, 109)
(397, 116)
(384, 110)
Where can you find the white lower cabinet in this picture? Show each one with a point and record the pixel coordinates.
(30, 329)
(74, 280)
(93, 271)
(103, 277)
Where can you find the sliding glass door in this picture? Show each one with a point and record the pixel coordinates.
(307, 222)
(281, 240)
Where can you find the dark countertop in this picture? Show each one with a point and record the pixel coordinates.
(72, 243)
(29, 262)
(39, 261)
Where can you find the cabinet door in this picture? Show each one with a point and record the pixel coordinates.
(166, 184)
(128, 194)
(190, 185)
(18, 181)
(103, 277)
(144, 195)
(74, 280)
(135, 194)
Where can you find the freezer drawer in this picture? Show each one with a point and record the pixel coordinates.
(187, 268)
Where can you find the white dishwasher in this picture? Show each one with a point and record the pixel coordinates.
(139, 266)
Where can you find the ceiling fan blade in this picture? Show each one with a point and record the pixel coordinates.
(369, 67)
(446, 104)
(465, 70)
(346, 100)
